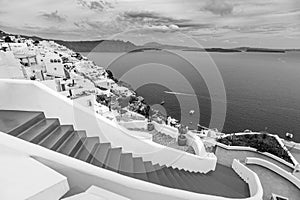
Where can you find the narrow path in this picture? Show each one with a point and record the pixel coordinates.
(273, 183)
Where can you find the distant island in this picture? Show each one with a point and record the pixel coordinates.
(127, 46)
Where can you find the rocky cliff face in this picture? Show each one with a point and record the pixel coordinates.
(99, 46)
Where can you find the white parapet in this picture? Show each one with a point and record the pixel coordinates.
(105, 193)
(96, 193)
(251, 178)
(23, 177)
(84, 196)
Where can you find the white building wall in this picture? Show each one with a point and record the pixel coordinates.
(9, 66)
(19, 48)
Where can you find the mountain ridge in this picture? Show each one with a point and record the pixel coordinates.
(127, 46)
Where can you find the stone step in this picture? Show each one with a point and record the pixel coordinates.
(39, 131)
(86, 148)
(72, 144)
(57, 137)
(112, 161)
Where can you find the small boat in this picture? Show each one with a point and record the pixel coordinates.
(162, 103)
(289, 135)
(192, 112)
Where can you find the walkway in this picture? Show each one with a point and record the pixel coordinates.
(273, 183)
(296, 154)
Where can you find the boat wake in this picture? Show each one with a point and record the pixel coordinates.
(180, 93)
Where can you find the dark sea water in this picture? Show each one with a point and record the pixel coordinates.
(262, 89)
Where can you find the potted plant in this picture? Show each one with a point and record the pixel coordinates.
(150, 126)
(182, 140)
(148, 115)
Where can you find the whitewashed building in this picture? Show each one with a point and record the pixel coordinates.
(9, 66)
(54, 65)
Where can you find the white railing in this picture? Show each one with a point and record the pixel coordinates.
(34, 96)
(278, 170)
(291, 144)
(166, 129)
(251, 178)
(82, 175)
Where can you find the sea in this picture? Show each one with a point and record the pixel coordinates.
(229, 91)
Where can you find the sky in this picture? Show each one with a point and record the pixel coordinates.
(208, 23)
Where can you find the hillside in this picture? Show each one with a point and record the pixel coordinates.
(99, 46)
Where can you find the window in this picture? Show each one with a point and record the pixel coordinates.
(51, 60)
(58, 61)
(55, 60)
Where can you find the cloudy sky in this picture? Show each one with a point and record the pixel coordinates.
(264, 23)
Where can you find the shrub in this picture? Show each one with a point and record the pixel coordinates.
(261, 142)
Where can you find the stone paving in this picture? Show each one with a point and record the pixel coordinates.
(296, 154)
(225, 157)
(166, 140)
(273, 183)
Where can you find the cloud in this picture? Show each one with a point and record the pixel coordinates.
(219, 7)
(53, 16)
(161, 28)
(97, 27)
(193, 26)
(96, 5)
(151, 21)
(174, 27)
(152, 18)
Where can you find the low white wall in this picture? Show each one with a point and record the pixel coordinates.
(34, 96)
(293, 145)
(168, 130)
(82, 175)
(139, 124)
(163, 128)
(251, 178)
(288, 152)
(197, 144)
(240, 148)
(264, 163)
